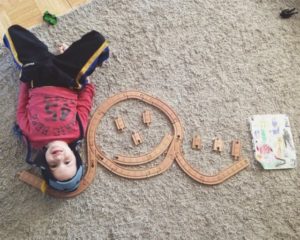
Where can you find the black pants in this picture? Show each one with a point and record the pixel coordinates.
(42, 68)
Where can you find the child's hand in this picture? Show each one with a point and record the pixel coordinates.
(63, 47)
(88, 80)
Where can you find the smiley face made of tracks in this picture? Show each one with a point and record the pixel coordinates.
(170, 143)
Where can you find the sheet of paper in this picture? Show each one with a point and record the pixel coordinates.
(273, 141)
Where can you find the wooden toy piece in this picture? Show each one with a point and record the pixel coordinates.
(173, 151)
(50, 18)
(218, 145)
(236, 149)
(147, 118)
(218, 178)
(196, 143)
(120, 123)
(136, 138)
(155, 153)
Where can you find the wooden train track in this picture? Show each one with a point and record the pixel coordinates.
(174, 152)
(155, 153)
(170, 145)
(111, 164)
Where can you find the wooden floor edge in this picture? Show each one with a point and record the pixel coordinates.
(32, 20)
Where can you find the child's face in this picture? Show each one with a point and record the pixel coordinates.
(61, 160)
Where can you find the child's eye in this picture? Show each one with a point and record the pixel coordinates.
(67, 162)
(53, 166)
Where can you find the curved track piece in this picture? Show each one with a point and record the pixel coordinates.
(138, 173)
(155, 153)
(110, 164)
(214, 179)
(39, 183)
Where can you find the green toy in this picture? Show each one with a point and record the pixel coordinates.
(50, 18)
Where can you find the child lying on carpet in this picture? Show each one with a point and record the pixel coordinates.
(55, 100)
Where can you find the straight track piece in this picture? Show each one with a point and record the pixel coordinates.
(147, 118)
(196, 143)
(30, 179)
(218, 145)
(136, 137)
(236, 149)
(119, 123)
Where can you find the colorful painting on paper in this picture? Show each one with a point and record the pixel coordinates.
(273, 141)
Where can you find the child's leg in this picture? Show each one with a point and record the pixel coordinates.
(68, 69)
(98, 62)
(34, 59)
(27, 51)
(83, 56)
(25, 47)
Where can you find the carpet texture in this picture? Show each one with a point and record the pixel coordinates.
(215, 63)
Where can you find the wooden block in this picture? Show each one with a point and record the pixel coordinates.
(147, 118)
(119, 123)
(236, 149)
(196, 143)
(218, 145)
(136, 138)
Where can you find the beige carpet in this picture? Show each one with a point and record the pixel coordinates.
(215, 63)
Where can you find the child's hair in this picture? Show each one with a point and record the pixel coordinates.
(67, 185)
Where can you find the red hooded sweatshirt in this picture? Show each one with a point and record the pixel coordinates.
(48, 113)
